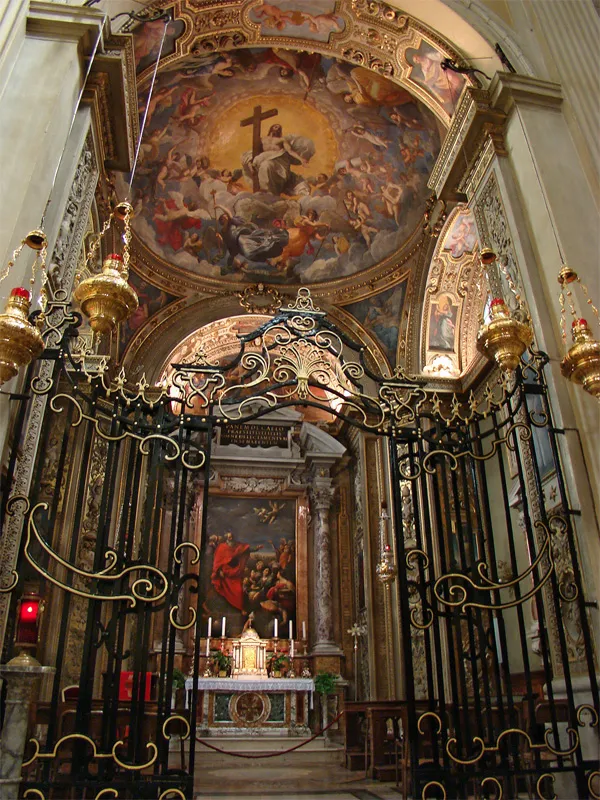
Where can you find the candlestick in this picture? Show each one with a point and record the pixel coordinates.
(291, 630)
(291, 648)
(209, 627)
(223, 622)
(207, 647)
(304, 630)
(275, 630)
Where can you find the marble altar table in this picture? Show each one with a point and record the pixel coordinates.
(261, 707)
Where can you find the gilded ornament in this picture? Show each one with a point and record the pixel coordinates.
(20, 340)
(582, 362)
(36, 240)
(107, 299)
(504, 338)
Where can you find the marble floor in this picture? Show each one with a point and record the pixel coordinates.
(319, 781)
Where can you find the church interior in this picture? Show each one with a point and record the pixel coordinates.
(299, 381)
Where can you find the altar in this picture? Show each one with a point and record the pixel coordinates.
(262, 707)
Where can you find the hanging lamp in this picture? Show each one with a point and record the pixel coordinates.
(581, 364)
(106, 298)
(505, 337)
(385, 568)
(20, 340)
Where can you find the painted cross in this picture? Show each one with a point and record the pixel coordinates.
(258, 115)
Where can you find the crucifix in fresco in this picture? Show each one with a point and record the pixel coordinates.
(258, 115)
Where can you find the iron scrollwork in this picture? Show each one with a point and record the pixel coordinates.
(141, 588)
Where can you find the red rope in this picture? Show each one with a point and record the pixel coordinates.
(270, 755)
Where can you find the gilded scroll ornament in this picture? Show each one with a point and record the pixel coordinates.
(141, 588)
(483, 749)
(37, 753)
(456, 594)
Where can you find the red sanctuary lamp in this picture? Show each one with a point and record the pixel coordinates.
(29, 613)
(106, 298)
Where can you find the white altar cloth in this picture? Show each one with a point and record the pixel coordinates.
(245, 685)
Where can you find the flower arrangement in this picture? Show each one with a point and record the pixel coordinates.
(279, 663)
(220, 661)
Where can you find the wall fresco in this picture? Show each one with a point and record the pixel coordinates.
(380, 316)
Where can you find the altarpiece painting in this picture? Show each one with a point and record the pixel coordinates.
(251, 564)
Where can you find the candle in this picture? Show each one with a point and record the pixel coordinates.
(291, 630)
(304, 630)
(275, 631)
(209, 627)
(223, 627)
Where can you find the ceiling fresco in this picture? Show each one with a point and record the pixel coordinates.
(289, 143)
(152, 299)
(283, 166)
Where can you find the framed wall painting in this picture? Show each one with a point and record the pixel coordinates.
(254, 563)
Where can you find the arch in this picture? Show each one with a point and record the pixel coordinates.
(149, 350)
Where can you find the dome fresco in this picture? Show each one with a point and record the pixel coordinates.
(281, 166)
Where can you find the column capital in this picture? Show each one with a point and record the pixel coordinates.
(321, 494)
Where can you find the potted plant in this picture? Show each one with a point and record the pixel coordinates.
(278, 664)
(221, 663)
(177, 688)
(325, 684)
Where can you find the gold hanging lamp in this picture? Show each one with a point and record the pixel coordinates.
(20, 340)
(581, 364)
(106, 298)
(505, 337)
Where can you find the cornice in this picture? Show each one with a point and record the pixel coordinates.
(57, 21)
(474, 122)
(507, 89)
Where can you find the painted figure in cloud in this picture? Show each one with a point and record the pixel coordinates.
(273, 165)
(274, 18)
(427, 70)
(462, 238)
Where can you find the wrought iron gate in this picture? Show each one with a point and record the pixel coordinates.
(104, 537)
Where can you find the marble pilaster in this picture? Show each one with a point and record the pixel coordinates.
(321, 495)
(21, 675)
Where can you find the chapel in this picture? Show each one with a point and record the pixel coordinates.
(299, 382)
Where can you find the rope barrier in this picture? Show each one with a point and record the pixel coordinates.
(270, 755)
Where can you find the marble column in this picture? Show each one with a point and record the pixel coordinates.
(321, 495)
(21, 675)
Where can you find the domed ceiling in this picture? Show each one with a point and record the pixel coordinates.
(286, 144)
(280, 166)
(283, 165)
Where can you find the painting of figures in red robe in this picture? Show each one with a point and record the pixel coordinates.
(249, 565)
